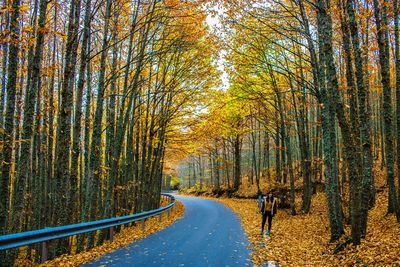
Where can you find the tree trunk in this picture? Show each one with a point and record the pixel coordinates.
(365, 120)
(12, 74)
(95, 150)
(328, 82)
(76, 138)
(381, 21)
(236, 181)
(62, 202)
(397, 55)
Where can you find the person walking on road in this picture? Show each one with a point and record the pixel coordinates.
(268, 209)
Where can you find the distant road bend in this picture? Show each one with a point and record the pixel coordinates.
(209, 234)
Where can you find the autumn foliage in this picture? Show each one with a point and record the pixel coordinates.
(103, 103)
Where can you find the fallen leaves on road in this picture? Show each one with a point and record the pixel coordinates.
(123, 238)
(303, 240)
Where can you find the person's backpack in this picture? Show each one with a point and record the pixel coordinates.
(275, 206)
(260, 198)
(263, 204)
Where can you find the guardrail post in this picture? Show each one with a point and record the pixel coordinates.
(111, 233)
(43, 256)
(160, 218)
(143, 224)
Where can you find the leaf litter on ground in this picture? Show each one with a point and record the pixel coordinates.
(303, 240)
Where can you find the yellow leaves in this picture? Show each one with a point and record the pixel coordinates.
(44, 30)
(62, 35)
(24, 8)
(26, 29)
(9, 9)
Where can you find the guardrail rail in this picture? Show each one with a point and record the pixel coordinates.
(50, 233)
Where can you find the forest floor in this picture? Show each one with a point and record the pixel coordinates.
(126, 236)
(303, 240)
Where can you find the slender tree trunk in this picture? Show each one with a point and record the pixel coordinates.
(63, 205)
(303, 145)
(77, 128)
(278, 173)
(284, 135)
(365, 120)
(24, 177)
(266, 155)
(95, 150)
(381, 21)
(109, 210)
(12, 74)
(217, 167)
(397, 55)
(236, 181)
(328, 82)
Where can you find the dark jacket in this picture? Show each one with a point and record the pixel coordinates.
(269, 206)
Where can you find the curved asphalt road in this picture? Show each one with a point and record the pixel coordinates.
(209, 234)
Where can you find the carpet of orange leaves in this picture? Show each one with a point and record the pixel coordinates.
(123, 238)
(303, 240)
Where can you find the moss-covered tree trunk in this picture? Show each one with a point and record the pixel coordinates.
(12, 75)
(381, 20)
(397, 55)
(95, 171)
(63, 205)
(328, 83)
(364, 118)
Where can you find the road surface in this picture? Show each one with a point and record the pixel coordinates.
(209, 234)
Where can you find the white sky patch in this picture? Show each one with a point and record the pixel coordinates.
(213, 21)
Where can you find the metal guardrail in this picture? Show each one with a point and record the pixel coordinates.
(47, 234)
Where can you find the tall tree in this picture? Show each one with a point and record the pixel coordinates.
(64, 206)
(397, 57)
(381, 20)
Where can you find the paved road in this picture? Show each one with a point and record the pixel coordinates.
(208, 235)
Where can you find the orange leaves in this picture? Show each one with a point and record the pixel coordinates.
(381, 247)
(24, 8)
(9, 9)
(26, 29)
(44, 30)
